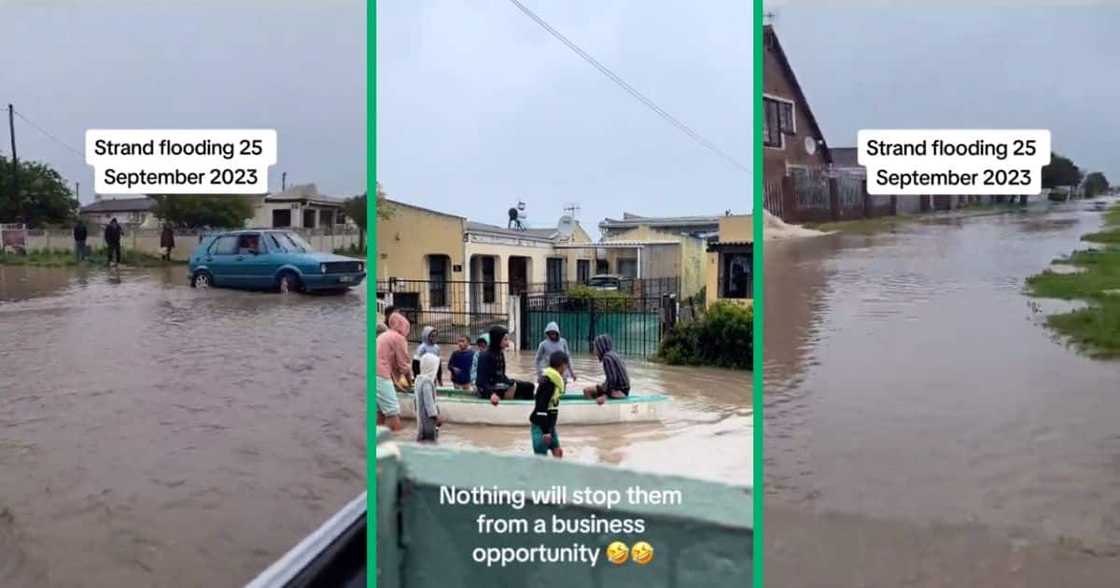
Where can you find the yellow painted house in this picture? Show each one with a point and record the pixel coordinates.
(729, 264)
(659, 247)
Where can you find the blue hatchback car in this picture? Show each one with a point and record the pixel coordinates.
(270, 259)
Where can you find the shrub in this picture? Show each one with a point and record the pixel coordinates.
(722, 337)
(579, 297)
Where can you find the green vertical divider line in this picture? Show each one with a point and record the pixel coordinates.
(759, 304)
(371, 294)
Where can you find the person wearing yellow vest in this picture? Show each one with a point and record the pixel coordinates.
(546, 410)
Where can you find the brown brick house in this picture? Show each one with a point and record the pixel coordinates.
(791, 135)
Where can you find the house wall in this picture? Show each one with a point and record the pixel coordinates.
(410, 235)
(711, 292)
(262, 214)
(146, 240)
(736, 227)
(777, 83)
(142, 219)
(687, 259)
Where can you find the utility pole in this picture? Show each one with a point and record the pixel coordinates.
(15, 158)
(283, 181)
(78, 192)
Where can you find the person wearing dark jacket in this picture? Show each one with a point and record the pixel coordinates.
(546, 409)
(80, 235)
(113, 234)
(492, 381)
(616, 383)
(167, 241)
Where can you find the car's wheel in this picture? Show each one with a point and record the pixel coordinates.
(202, 279)
(288, 282)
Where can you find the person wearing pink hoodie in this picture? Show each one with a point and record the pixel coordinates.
(393, 364)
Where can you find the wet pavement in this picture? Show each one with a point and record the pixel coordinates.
(156, 435)
(917, 404)
(705, 431)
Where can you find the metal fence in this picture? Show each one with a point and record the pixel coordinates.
(453, 308)
(635, 323)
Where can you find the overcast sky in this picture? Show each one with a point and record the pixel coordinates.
(1053, 65)
(478, 107)
(296, 66)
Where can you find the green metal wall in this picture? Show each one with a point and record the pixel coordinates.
(634, 333)
(707, 541)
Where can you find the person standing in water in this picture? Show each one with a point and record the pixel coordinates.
(552, 343)
(428, 345)
(460, 364)
(167, 241)
(392, 367)
(617, 382)
(492, 380)
(481, 345)
(546, 410)
(113, 235)
(80, 234)
(428, 419)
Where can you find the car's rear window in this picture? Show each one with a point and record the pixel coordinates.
(290, 242)
(225, 245)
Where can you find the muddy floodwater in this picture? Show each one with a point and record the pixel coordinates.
(705, 431)
(156, 435)
(917, 406)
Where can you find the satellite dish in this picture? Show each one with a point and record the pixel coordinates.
(566, 227)
(810, 145)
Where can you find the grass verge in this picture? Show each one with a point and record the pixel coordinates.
(65, 258)
(1095, 328)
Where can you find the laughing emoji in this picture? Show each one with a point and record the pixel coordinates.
(642, 553)
(618, 553)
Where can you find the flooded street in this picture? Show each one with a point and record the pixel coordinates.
(916, 403)
(705, 432)
(156, 435)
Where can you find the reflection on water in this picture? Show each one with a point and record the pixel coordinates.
(152, 434)
(705, 432)
(910, 380)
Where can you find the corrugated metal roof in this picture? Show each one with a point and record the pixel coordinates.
(120, 205)
(536, 234)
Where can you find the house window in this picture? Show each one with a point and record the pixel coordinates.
(628, 267)
(736, 282)
(772, 124)
(602, 266)
(583, 270)
(438, 266)
(488, 279)
(326, 218)
(309, 219)
(281, 218)
(555, 274)
(785, 111)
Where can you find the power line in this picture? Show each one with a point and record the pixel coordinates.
(50, 136)
(630, 89)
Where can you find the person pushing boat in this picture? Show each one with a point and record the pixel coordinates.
(617, 381)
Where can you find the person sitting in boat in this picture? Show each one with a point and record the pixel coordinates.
(427, 345)
(546, 410)
(552, 343)
(492, 379)
(392, 367)
(460, 364)
(481, 344)
(428, 419)
(617, 382)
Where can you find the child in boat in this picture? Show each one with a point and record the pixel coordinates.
(460, 363)
(481, 344)
(552, 343)
(428, 419)
(617, 382)
(546, 410)
(392, 367)
(427, 345)
(492, 379)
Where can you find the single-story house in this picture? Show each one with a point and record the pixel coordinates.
(300, 206)
(730, 273)
(132, 211)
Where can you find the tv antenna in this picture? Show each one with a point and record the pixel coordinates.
(572, 209)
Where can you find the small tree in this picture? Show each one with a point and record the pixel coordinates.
(44, 197)
(219, 211)
(1060, 172)
(1095, 184)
